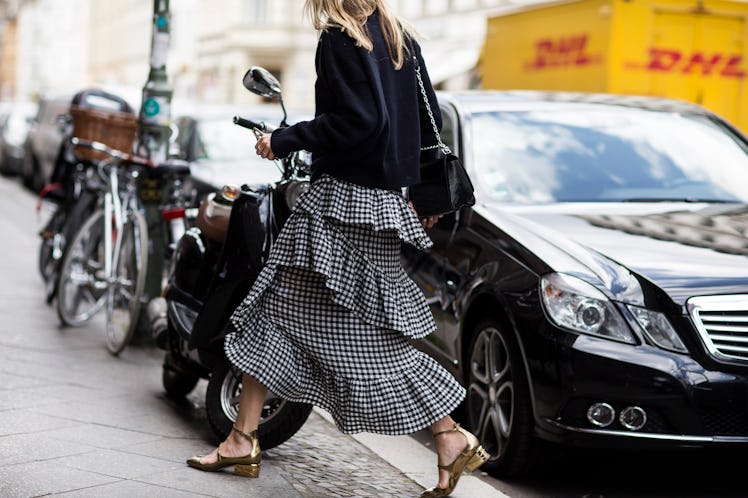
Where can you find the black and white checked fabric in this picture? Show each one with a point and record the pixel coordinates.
(328, 320)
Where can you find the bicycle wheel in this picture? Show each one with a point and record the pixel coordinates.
(81, 288)
(61, 227)
(47, 246)
(125, 293)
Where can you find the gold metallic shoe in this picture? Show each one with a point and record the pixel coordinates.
(246, 466)
(472, 457)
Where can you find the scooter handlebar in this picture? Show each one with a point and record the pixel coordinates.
(249, 124)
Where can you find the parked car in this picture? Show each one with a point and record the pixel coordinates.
(15, 119)
(597, 293)
(220, 152)
(43, 142)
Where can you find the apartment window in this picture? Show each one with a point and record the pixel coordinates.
(460, 5)
(410, 9)
(256, 11)
(437, 7)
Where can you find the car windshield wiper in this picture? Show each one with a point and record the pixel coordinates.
(680, 199)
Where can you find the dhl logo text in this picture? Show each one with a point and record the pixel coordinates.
(666, 60)
(566, 51)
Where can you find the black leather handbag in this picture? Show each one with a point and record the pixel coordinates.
(445, 186)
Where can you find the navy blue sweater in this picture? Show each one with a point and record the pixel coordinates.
(370, 120)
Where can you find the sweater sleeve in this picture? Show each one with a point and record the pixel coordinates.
(354, 115)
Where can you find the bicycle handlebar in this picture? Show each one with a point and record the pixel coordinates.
(117, 154)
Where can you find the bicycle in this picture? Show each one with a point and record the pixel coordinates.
(105, 264)
(73, 188)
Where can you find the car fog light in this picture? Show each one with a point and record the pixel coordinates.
(601, 414)
(633, 418)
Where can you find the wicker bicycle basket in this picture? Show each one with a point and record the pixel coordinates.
(117, 130)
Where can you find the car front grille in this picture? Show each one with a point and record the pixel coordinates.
(725, 421)
(722, 322)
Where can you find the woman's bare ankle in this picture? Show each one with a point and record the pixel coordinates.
(237, 442)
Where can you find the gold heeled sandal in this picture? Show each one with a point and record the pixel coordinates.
(246, 466)
(472, 457)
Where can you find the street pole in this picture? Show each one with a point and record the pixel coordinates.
(155, 112)
(155, 121)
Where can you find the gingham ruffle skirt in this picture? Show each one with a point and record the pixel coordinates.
(330, 317)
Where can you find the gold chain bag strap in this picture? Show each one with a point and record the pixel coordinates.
(445, 186)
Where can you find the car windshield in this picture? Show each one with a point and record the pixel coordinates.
(222, 140)
(599, 155)
(16, 126)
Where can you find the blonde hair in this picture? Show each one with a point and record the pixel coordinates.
(350, 16)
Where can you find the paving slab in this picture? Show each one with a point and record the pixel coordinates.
(129, 489)
(117, 464)
(14, 422)
(26, 448)
(100, 436)
(41, 478)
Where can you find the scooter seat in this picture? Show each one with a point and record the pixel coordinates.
(212, 222)
(173, 167)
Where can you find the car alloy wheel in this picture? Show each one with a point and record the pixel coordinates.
(490, 394)
(498, 407)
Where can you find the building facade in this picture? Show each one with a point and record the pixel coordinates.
(53, 46)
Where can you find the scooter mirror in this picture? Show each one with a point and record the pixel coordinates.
(260, 81)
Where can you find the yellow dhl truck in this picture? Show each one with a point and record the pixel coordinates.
(691, 50)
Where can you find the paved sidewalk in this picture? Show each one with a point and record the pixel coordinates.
(76, 421)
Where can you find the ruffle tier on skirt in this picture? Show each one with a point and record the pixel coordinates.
(330, 317)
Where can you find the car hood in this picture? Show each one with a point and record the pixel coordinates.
(684, 249)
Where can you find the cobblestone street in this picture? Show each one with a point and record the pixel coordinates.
(318, 461)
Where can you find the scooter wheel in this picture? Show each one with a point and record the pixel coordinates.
(280, 419)
(176, 383)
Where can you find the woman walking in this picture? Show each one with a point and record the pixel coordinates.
(329, 319)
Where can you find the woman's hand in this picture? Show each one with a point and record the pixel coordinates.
(262, 147)
(428, 221)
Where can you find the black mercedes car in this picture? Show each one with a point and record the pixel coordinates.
(597, 293)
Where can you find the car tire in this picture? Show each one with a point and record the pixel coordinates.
(27, 170)
(34, 181)
(38, 181)
(497, 408)
(5, 168)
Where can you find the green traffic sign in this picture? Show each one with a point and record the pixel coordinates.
(151, 107)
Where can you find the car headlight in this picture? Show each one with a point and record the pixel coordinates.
(572, 303)
(657, 328)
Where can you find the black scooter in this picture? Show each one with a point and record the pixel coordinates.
(213, 269)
